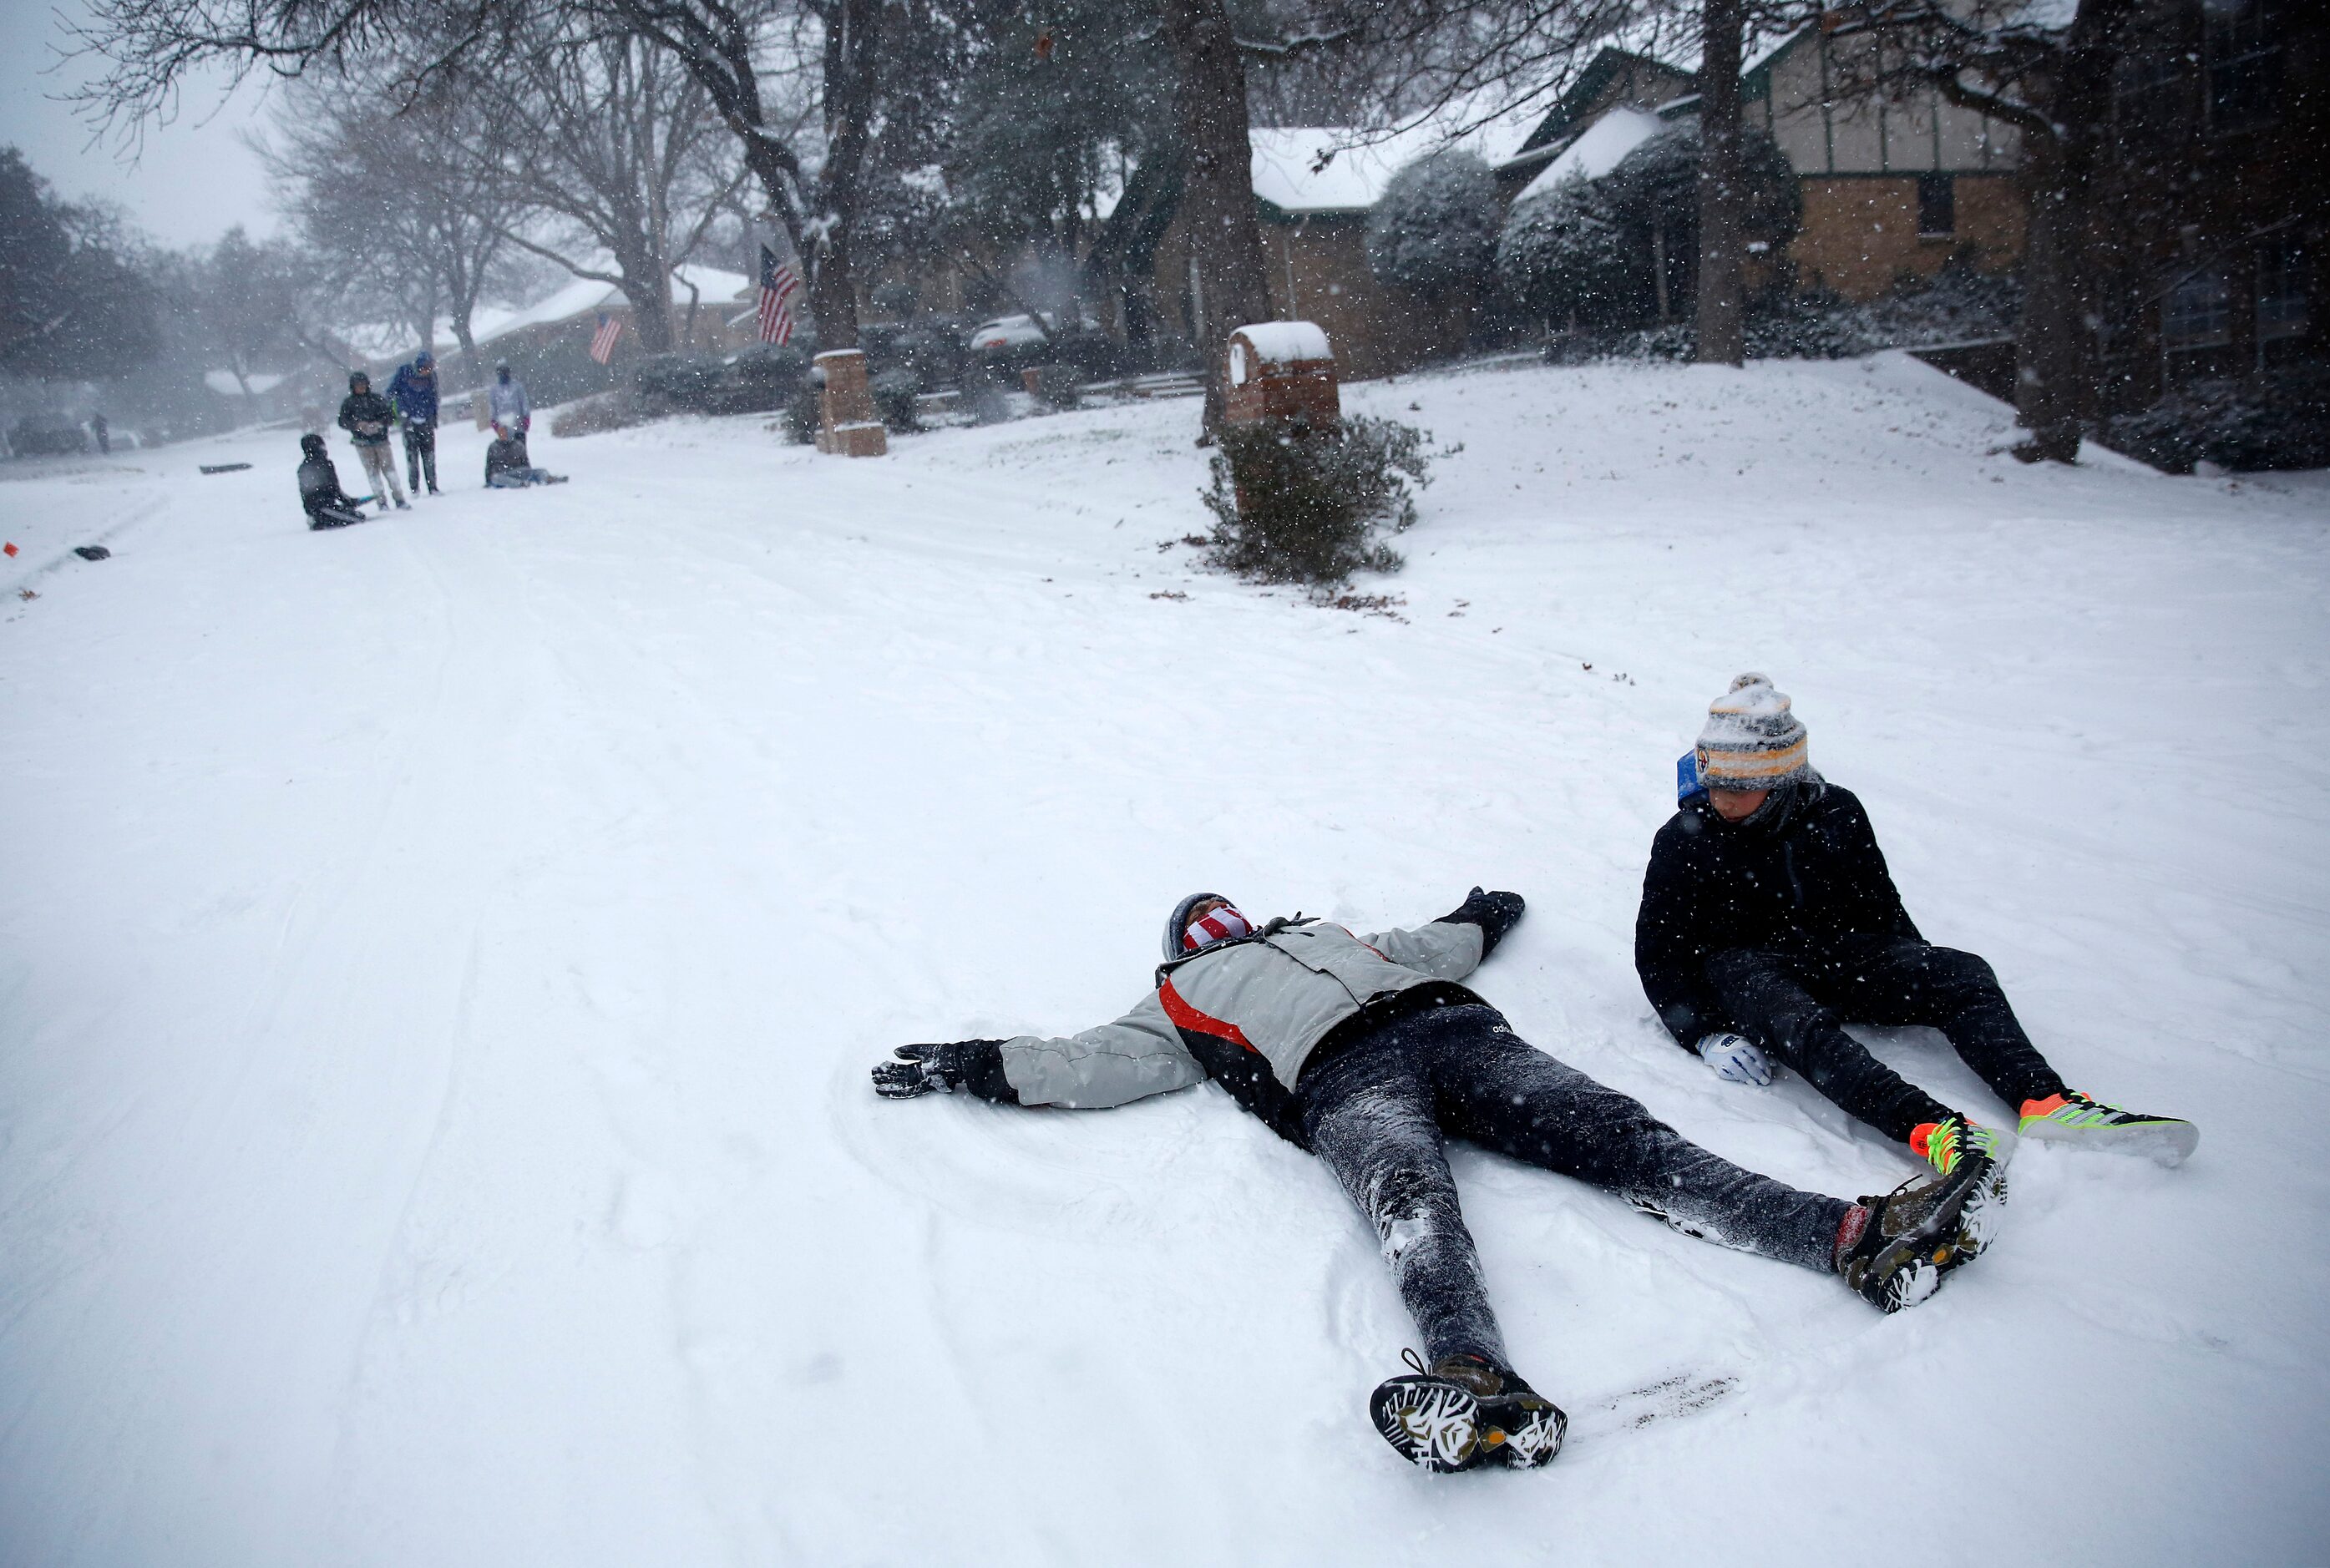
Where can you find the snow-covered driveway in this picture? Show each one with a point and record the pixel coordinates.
(440, 962)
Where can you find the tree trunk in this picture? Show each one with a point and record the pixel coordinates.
(649, 294)
(1659, 268)
(1218, 185)
(1722, 286)
(2055, 355)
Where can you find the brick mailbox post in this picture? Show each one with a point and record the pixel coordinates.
(847, 424)
(1281, 370)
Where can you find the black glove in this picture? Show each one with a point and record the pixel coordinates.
(1494, 913)
(941, 1067)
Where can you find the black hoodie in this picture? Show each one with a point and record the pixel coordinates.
(1805, 868)
(366, 415)
(319, 482)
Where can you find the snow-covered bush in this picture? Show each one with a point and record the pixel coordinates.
(1434, 230)
(1565, 258)
(2279, 419)
(1587, 254)
(608, 411)
(803, 415)
(1292, 503)
(893, 398)
(1958, 305)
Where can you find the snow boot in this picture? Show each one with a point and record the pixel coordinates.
(1947, 1145)
(2074, 1119)
(1463, 1411)
(1911, 1239)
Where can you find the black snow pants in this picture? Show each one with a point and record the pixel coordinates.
(1376, 1111)
(420, 454)
(1795, 1006)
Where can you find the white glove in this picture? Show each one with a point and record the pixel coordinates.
(1735, 1058)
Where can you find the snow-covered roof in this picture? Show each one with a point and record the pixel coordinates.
(1307, 169)
(222, 381)
(1598, 150)
(581, 295)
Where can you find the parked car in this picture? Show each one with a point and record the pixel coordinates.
(1017, 340)
(47, 435)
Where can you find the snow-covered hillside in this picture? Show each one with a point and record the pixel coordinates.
(440, 962)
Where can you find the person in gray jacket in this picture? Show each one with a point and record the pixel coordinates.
(1367, 1051)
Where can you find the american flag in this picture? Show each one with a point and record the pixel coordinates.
(779, 284)
(603, 345)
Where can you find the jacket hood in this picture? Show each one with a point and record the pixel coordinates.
(311, 446)
(1177, 922)
(359, 381)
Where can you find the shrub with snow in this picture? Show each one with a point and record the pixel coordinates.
(2278, 418)
(1565, 258)
(1586, 253)
(1958, 305)
(1434, 230)
(1298, 503)
(895, 391)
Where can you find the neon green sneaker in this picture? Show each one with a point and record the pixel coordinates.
(2073, 1119)
(1953, 1144)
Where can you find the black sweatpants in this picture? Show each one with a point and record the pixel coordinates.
(420, 455)
(1796, 1007)
(1376, 1111)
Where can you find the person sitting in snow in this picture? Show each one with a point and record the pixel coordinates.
(366, 416)
(326, 505)
(1768, 919)
(508, 467)
(1366, 1051)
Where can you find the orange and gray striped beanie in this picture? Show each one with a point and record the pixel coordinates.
(1752, 741)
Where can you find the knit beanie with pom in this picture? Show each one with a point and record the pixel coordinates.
(1752, 741)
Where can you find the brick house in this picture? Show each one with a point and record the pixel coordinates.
(2212, 232)
(1313, 189)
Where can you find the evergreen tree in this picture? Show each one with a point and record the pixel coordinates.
(1565, 258)
(71, 307)
(1434, 230)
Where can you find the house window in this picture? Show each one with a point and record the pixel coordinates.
(2244, 63)
(2152, 90)
(2197, 314)
(1938, 206)
(2280, 292)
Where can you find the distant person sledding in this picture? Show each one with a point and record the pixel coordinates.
(508, 466)
(320, 495)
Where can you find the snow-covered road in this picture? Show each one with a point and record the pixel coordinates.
(439, 961)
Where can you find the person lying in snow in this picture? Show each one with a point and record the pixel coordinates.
(1768, 919)
(319, 488)
(1366, 1051)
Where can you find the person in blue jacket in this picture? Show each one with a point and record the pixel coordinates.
(413, 390)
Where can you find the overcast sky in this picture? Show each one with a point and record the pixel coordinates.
(193, 178)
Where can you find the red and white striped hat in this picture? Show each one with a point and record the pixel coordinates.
(1184, 935)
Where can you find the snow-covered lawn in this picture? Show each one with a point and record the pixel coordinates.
(440, 962)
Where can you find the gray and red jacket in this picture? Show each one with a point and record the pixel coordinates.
(1249, 1013)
